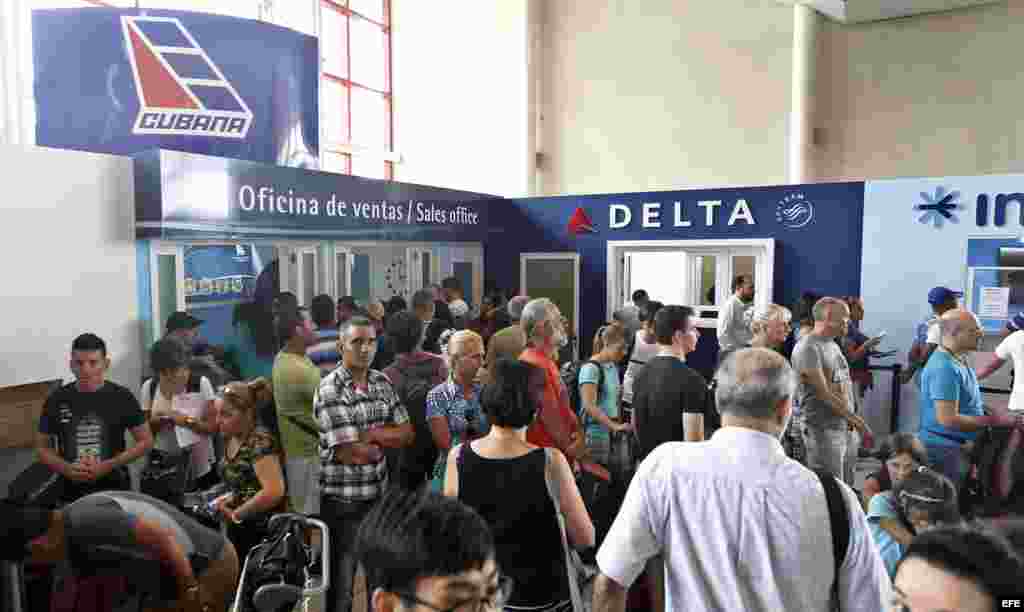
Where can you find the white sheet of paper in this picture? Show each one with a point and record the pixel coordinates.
(190, 404)
(995, 303)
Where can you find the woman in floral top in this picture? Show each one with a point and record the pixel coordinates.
(251, 467)
(453, 407)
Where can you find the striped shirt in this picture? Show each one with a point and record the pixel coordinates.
(343, 412)
(324, 354)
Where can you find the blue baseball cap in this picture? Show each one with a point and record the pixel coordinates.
(941, 295)
(1016, 323)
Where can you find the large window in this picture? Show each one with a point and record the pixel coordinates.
(355, 42)
(696, 273)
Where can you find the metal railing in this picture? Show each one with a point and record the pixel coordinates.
(995, 391)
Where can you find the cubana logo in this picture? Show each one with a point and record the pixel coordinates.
(181, 91)
(794, 211)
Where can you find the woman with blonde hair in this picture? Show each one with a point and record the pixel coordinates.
(251, 467)
(453, 407)
(771, 325)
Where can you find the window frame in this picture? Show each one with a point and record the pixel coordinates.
(763, 249)
(347, 150)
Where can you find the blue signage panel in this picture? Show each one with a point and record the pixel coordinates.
(817, 231)
(182, 195)
(123, 81)
(219, 272)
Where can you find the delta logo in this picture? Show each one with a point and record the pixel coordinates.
(181, 91)
(580, 223)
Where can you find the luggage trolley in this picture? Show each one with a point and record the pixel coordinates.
(281, 595)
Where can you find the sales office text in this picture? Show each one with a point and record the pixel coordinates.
(621, 215)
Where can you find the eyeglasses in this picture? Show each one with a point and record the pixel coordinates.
(920, 498)
(495, 601)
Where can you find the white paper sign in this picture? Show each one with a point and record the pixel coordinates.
(995, 303)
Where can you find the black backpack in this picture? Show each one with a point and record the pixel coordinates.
(571, 378)
(412, 392)
(275, 569)
(979, 495)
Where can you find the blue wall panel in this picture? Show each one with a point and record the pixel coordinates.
(817, 231)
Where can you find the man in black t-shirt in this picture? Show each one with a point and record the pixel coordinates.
(669, 397)
(83, 424)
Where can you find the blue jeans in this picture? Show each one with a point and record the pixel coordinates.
(949, 461)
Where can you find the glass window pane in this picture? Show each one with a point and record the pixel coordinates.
(167, 286)
(334, 113)
(333, 42)
(308, 278)
(369, 166)
(341, 280)
(744, 265)
(368, 53)
(371, 9)
(660, 274)
(705, 276)
(335, 162)
(50, 4)
(369, 119)
(248, 10)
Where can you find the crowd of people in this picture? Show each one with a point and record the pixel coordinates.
(460, 464)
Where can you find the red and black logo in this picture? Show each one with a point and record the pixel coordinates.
(580, 223)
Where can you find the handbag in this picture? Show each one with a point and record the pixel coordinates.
(37, 485)
(166, 475)
(581, 577)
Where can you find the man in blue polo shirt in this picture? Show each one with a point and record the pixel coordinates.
(951, 406)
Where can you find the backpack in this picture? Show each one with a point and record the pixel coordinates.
(274, 573)
(980, 493)
(571, 378)
(412, 392)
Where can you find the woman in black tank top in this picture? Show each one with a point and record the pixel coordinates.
(502, 477)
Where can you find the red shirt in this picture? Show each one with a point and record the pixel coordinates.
(555, 412)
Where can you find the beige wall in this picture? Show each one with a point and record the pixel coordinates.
(461, 94)
(663, 94)
(931, 95)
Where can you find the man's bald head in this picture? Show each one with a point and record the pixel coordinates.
(961, 330)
